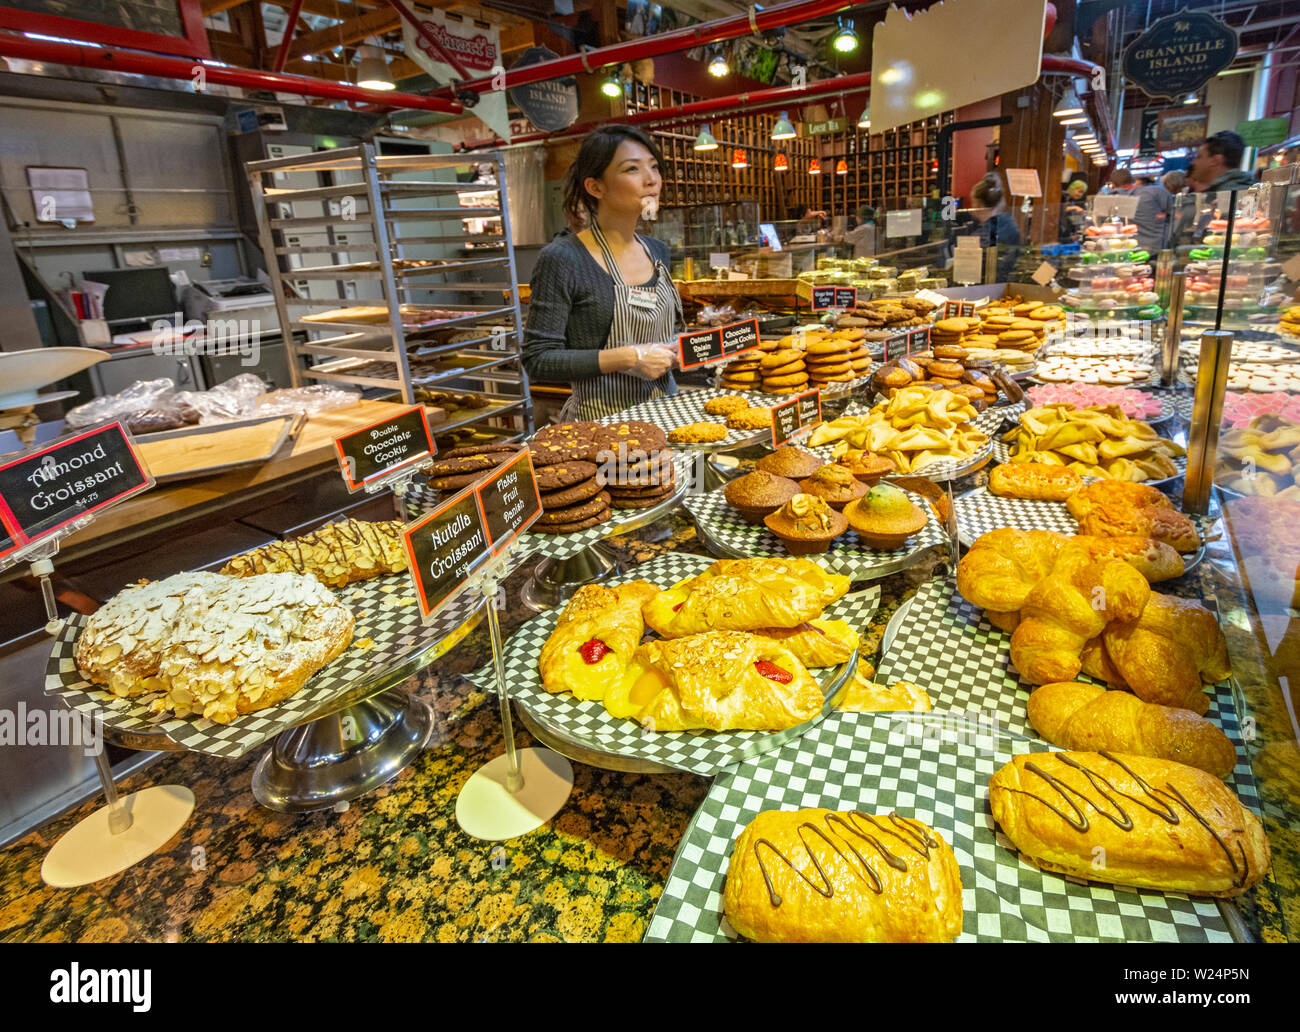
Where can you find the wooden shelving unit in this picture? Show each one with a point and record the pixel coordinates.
(885, 169)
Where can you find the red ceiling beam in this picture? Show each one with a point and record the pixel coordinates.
(177, 68)
(282, 55)
(661, 43)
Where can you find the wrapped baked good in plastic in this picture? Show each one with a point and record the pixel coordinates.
(317, 397)
(135, 398)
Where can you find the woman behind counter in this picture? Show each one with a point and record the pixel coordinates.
(603, 297)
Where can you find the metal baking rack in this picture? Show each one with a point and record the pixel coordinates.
(361, 206)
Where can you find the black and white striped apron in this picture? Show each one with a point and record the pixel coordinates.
(604, 395)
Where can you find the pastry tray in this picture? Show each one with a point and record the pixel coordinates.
(727, 534)
(586, 730)
(980, 511)
(687, 406)
(1002, 453)
(391, 620)
(934, 768)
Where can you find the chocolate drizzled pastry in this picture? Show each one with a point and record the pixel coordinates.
(336, 554)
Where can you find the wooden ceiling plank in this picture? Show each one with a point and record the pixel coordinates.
(376, 23)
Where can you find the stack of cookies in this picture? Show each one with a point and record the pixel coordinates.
(783, 371)
(636, 465)
(457, 468)
(742, 374)
(829, 362)
(953, 332)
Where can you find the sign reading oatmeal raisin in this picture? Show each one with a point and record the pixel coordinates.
(45, 490)
(382, 448)
(705, 347)
(446, 546)
(791, 418)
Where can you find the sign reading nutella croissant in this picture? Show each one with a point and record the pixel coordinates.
(705, 347)
(446, 546)
(791, 418)
(44, 491)
(824, 298)
(382, 448)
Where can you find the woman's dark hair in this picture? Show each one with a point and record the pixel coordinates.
(987, 193)
(594, 157)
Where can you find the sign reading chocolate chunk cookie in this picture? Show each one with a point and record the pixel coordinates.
(382, 448)
(45, 490)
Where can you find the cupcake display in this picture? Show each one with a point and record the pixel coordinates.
(885, 517)
(757, 494)
(834, 484)
(806, 524)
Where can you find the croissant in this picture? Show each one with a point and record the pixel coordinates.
(1071, 605)
(1088, 717)
(1165, 653)
(720, 681)
(594, 639)
(1129, 820)
(1115, 493)
(1155, 560)
(817, 643)
(1002, 566)
(823, 876)
(745, 595)
(1166, 525)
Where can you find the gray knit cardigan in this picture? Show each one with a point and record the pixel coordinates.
(571, 310)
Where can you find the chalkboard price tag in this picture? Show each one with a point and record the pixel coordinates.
(791, 418)
(44, 491)
(706, 347)
(962, 309)
(837, 298)
(918, 340)
(896, 345)
(446, 546)
(384, 447)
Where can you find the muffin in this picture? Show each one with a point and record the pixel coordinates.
(834, 484)
(789, 461)
(757, 494)
(806, 524)
(885, 517)
(868, 467)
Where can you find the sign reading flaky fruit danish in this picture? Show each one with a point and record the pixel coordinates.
(791, 418)
(45, 490)
(446, 546)
(384, 447)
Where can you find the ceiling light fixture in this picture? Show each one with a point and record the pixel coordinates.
(780, 163)
(738, 159)
(1191, 98)
(784, 129)
(841, 167)
(372, 72)
(845, 40)
(612, 85)
(718, 67)
(1068, 106)
(864, 120)
(705, 140)
(814, 167)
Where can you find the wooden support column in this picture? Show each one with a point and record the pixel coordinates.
(1035, 139)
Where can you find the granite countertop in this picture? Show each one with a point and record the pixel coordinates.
(396, 867)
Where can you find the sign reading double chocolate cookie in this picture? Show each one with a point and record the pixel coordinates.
(791, 418)
(445, 547)
(44, 491)
(384, 447)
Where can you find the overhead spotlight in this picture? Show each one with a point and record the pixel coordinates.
(1079, 119)
(1068, 106)
(784, 128)
(841, 167)
(612, 85)
(718, 67)
(705, 140)
(814, 167)
(738, 159)
(1191, 98)
(780, 163)
(864, 121)
(845, 40)
(372, 72)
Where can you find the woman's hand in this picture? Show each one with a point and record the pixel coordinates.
(654, 361)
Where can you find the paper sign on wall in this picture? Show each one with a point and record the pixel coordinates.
(903, 223)
(1023, 182)
(1044, 274)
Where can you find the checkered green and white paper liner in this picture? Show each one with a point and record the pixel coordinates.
(948, 647)
(588, 722)
(687, 406)
(395, 628)
(1002, 453)
(924, 768)
(848, 554)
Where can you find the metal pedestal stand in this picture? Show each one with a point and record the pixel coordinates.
(555, 580)
(522, 789)
(128, 828)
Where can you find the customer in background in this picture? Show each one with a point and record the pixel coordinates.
(1155, 204)
(862, 235)
(1182, 208)
(1121, 182)
(1073, 211)
(1216, 165)
(997, 227)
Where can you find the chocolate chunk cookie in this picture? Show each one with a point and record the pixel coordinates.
(549, 453)
(568, 528)
(462, 464)
(480, 449)
(564, 474)
(574, 513)
(571, 495)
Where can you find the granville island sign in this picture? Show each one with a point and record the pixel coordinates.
(1179, 54)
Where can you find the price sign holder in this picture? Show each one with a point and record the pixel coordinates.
(896, 345)
(463, 545)
(707, 347)
(918, 340)
(792, 419)
(48, 493)
(386, 454)
(834, 299)
(959, 309)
